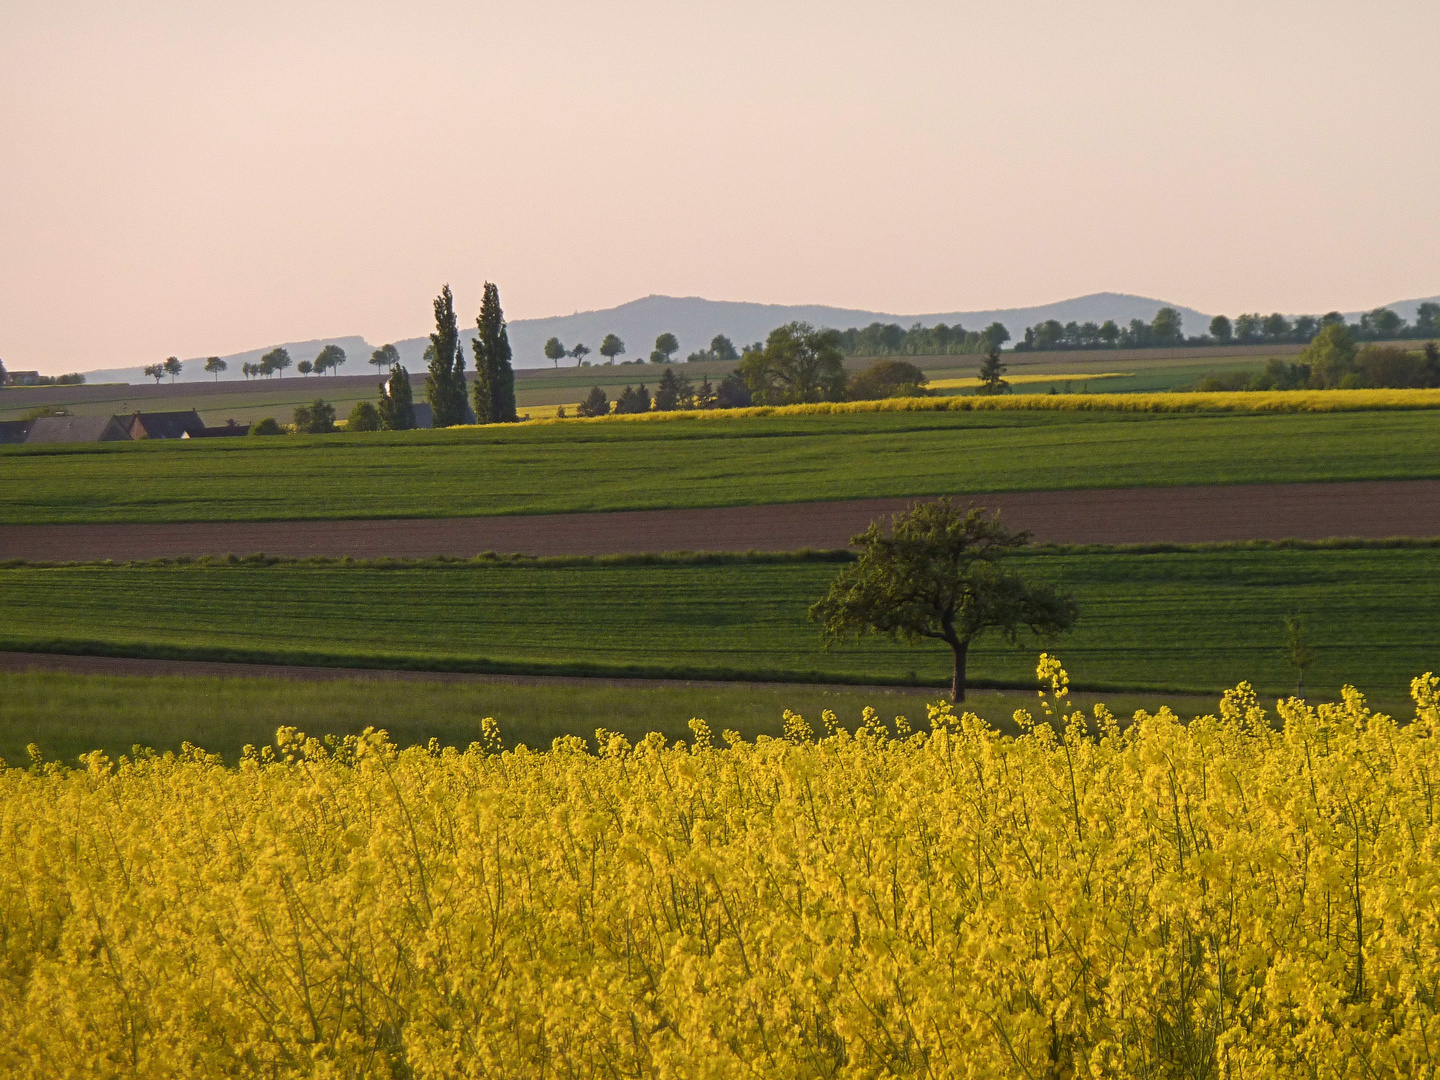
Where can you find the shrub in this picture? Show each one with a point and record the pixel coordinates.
(633, 401)
(317, 418)
(1393, 367)
(733, 393)
(887, 379)
(595, 403)
(363, 417)
(268, 426)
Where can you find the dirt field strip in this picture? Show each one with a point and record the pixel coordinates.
(1371, 509)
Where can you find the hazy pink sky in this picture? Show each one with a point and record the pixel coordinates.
(196, 177)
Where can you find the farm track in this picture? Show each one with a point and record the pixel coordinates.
(145, 666)
(1370, 509)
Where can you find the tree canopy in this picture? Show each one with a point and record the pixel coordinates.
(214, 365)
(397, 403)
(554, 351)
(799, 364)
(445, 380)
(666, 346)
(386, 356)
(888, 378)
(494, 375)
(612, 347)
(938, 575)
(330, 359)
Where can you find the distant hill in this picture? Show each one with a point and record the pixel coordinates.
(695, 320)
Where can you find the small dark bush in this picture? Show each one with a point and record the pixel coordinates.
(268, 426)
(363, 417)
(317, 418)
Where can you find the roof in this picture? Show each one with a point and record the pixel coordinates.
(230, 427)
(76, 429)
(14, 431)
(165, 425)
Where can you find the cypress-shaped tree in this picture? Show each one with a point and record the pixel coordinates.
(397, 403)
(443, 353)
(494, 376)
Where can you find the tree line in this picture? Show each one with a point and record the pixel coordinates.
(1166, 330)
(1336, 360)
(891, 339)
(666, 346)
(796, 365)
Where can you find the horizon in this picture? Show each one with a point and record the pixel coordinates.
(901, 318)
(189, 182)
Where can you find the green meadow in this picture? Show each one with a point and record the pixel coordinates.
(556, 468)
(1190, 619)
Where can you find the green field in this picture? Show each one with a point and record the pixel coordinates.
(66, 715)
(1193, 619)
(553, 468)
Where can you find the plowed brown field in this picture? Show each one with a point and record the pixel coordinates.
(1103, 516)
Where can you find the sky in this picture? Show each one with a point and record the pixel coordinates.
(197, 177)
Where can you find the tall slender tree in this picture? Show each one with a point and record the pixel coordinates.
(494, 375)
(397, 408)
(446, 363)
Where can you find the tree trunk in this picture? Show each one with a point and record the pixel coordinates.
(957, 684)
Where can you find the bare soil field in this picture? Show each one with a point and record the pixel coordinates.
(1371, 509)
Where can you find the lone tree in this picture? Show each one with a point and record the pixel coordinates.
(666, 346)
(612, 347)
(722, 348)
(938, 575)
(494, 375)
(1298, 652)
(155, 371)
(386, 356)
(305, 367)
(554, 351)
(172, 367)
(991, 371)
(215, 365)
(579, 352)
(445, 382)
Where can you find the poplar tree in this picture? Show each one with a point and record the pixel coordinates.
(447, 365)
(397, 403)
(494, 376)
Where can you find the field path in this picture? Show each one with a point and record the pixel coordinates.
(1371, 509)
(136, 665)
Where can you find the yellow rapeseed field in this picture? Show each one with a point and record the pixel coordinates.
(1225, 898)
(1240, 401)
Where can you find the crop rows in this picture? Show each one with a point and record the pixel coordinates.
(1171, 619)
(620, 464)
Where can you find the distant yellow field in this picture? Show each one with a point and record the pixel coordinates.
(1022, 380)
(1241, 401)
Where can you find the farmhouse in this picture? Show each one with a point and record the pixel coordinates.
(83, 429)
(165, 425)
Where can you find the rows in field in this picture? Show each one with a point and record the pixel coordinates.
(1200, 619)
(697, 463)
